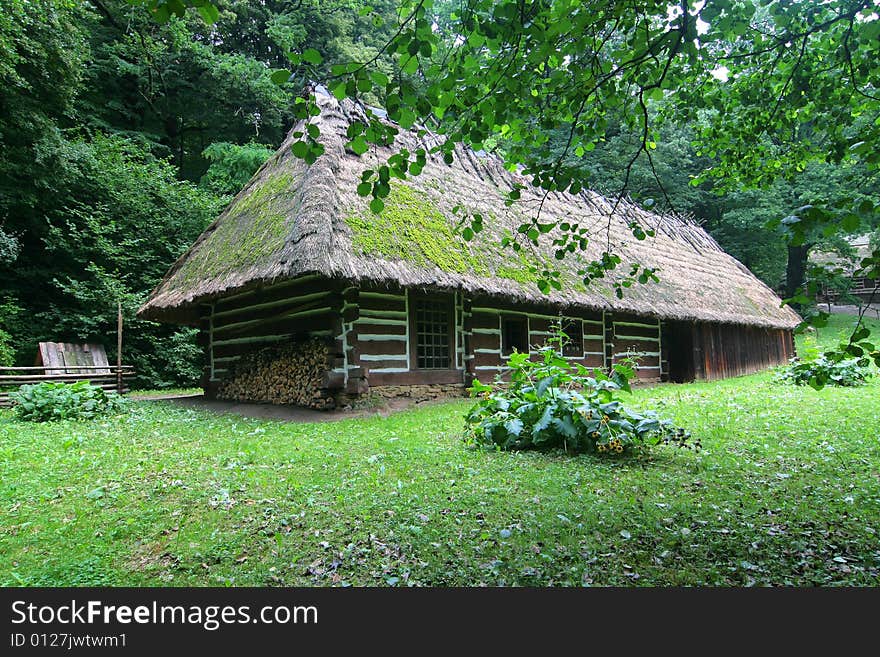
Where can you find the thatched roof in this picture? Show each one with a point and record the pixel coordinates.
(293, 219)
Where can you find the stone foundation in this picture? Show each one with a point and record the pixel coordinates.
(420, 392)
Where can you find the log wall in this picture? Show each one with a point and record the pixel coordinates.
(486, 325)
(379, 341)
(243, 334)
(308, 307)
(318, 342)
(722, 350)
(383, 335)
(638, 337)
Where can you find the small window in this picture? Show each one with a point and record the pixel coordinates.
(514, 335)
(433, 324)
(574, 329)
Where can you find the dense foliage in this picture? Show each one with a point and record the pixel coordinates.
(817, 369)
(122, 139)
(45, 402)
(7, 355)
(551, 403)
(823, 371)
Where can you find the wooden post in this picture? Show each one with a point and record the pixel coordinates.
(119, 347)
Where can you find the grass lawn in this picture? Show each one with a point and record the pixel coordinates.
(785, 491)
(840, 327)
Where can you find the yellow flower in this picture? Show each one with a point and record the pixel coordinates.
(618, 449)
(601, 448)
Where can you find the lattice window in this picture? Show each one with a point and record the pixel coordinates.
(433, 322)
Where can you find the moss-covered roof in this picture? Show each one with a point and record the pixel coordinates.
(293, 219)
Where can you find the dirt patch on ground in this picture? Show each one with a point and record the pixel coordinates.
(284, 413)
(149, 557)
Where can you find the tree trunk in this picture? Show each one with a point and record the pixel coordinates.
(795, 270)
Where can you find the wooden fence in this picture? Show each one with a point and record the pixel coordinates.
(108, 377)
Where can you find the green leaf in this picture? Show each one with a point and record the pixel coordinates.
(209, 13)
(358, 145)
(161, 14)
(339, 91)
(411, 65)
(543, 385)
(299, 149)
(544, 421)
(514, 426)
(377, 205)
(281, 76)
(379, 78)
(850, 222)
(565, 426)
(312, 56)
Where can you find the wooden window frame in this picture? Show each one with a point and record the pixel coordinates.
(564, 323)
(449, 301)
(520, 319)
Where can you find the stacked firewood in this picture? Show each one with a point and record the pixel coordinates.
(290, 374)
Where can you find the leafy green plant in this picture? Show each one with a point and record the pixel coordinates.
(552, 403)
(817, 369)
(48, 401)
(823, 371)
(232, 165)
(7, 354)
(8, 312)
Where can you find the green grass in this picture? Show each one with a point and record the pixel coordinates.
(839, 328)
(163, 392)
(786, 491)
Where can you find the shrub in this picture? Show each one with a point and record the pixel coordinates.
(552, 403)
(822, 371)
(7, 354)
(8, 312)
(43, 402)
(816, 369)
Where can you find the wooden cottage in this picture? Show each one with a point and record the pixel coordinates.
(859, 290)
(304, 296)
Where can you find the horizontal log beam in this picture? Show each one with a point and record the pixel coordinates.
(299, 312)
(39, 378)
(382, 295)
(266, 309)
(276, 291)
(415, 377)
(374, 347)
(380, 321)
(383, 357)
(112, 368)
